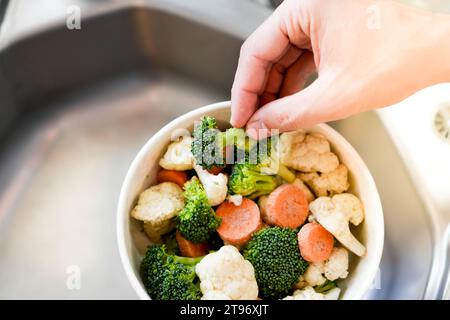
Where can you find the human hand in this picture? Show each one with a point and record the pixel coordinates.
(367, 53)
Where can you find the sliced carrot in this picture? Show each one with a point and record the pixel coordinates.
(238, 222)
(190, 249)
(215, 170)
(315, 242)
(287, 206)
(178, 177)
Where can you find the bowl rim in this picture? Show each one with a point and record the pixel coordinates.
(122, 210)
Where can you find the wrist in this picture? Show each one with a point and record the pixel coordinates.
(434, 31)
(441, 46)
(423, 38)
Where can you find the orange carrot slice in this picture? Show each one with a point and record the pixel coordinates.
(287, 206)
(315, 242)
(238, 222)
(178, 177)
(190, 249)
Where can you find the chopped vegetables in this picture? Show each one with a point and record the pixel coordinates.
(299, 183)
(178, 177)
(190, 249)
(227, 275)
(327, 184)
(235, 218)
(206, 148)
(215, 185)
(238, 222)
(287, 206)
(178, 155)
(309, 293)
(334, 214)
(197, 219)
(332, 269)
(249, 181)
(275, 255)
(158, 207)
(169, 277)
(307, 152)
(315, 242)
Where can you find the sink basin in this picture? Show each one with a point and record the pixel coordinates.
(78, 105)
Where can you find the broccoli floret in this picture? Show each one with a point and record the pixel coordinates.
(197, 219)
(275, 255)
(249, 181)
(206, 146)
(209, 143)
(169, 277)
(257, 174)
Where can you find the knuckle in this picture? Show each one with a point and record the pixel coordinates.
(245, 47)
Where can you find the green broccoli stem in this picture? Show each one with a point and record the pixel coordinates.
(326, 287)
(285, 173)
(187, 261)
(282, 170)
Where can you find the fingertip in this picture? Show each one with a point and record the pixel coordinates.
(275, 115)
(237, 120)
(256, 128)
(234, 123)
(243, 105)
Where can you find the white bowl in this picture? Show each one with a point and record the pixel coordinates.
(142, 174)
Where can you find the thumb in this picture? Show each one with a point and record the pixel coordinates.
(312, 105)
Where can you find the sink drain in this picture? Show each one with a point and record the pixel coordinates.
(442, 122)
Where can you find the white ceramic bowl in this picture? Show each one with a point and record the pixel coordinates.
(142, 174)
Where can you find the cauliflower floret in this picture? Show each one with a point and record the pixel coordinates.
(336, 267)
(307, 152)
(334, 214)
(215, 185)
(351, 205)
(299, 183)
(227, 273)
(235, 199)
(215, 295)
(178, 155)
(157, 207)
(313, 276)
(308, 293)
(327, 184)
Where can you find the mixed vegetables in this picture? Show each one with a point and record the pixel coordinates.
(234, 218)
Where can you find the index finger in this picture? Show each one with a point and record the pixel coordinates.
(264, 47)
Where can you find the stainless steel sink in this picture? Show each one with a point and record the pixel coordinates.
(77, 105)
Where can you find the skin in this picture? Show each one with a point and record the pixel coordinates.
(367, 53)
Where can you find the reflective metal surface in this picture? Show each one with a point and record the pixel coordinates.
(411, 124)
(77, 105)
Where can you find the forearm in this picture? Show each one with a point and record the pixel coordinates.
(416, 53)
(434, 35)
(441, 48)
